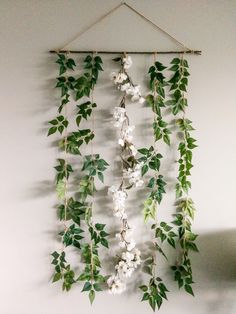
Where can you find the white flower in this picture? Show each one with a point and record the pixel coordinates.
(130, 90)
(133, 150)
(127, 62)
(134, 175)
(119, 116)
(113, 75)
(120, 78)
(118, 197)
(112, 189)
(137, 259)
(127, 256)
(116, 286)
(137, 252)
(134, 91)
(124, 87)
(131, 245)
(122, 244)
(121, 142)
(126, 134)
(135, 97)
(139, 183)
(124, 269)
(141, 100)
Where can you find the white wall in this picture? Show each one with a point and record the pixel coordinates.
(28, 29)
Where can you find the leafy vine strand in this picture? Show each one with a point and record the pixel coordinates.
(185, 206)
(78, 211)
(155, 291)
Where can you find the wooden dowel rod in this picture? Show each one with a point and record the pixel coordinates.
(196, 52)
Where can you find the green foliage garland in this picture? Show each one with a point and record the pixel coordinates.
(155, 290)
(185, 206)
(78, 212)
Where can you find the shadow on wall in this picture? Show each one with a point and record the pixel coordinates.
(215, 271)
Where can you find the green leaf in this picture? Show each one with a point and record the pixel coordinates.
(145, 296)
(52, 130)
(60, 189)
(189, 289)
(91, 296)
(101, 176)
(144, 169)
(152, 303)
(144, 288)
(60, 128)
(104, 242)
(87, 286)
(55, 254)
(100, 226)
(175, 61)
(53, 122)
(56, 277)
(97, 287)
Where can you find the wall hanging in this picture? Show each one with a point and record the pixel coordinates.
(139, 167)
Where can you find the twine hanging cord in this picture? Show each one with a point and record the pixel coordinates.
(178, 43)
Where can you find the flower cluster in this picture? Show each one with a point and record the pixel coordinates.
(127, 263)
(119, 197)
(129, 258)
(127, 62)
(124, 82)
(126, 134)
(134, 175)
(116, 286)
(119, 116)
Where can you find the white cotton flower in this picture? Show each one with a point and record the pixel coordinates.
(121, 77)
(130, 90)
(122, 244)
(139, 183)
(134, 91)
(131, 245)
(137, 252)
(126, 134)
(118, 236)
(127, 62)
(124, 87)
(127, 256)
(124, 269)
(111, 190)
(137, 259)
(119, 116)
(134, 175)
(113, 75)
(133, 150)
(121, 142)
(141, 100)
(119, 198)
(116, 286)
(135, 97)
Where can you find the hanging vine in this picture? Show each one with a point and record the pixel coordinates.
(129, 259)
(155, 291)
(78, 211)
(185, 206)
(75, 211)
